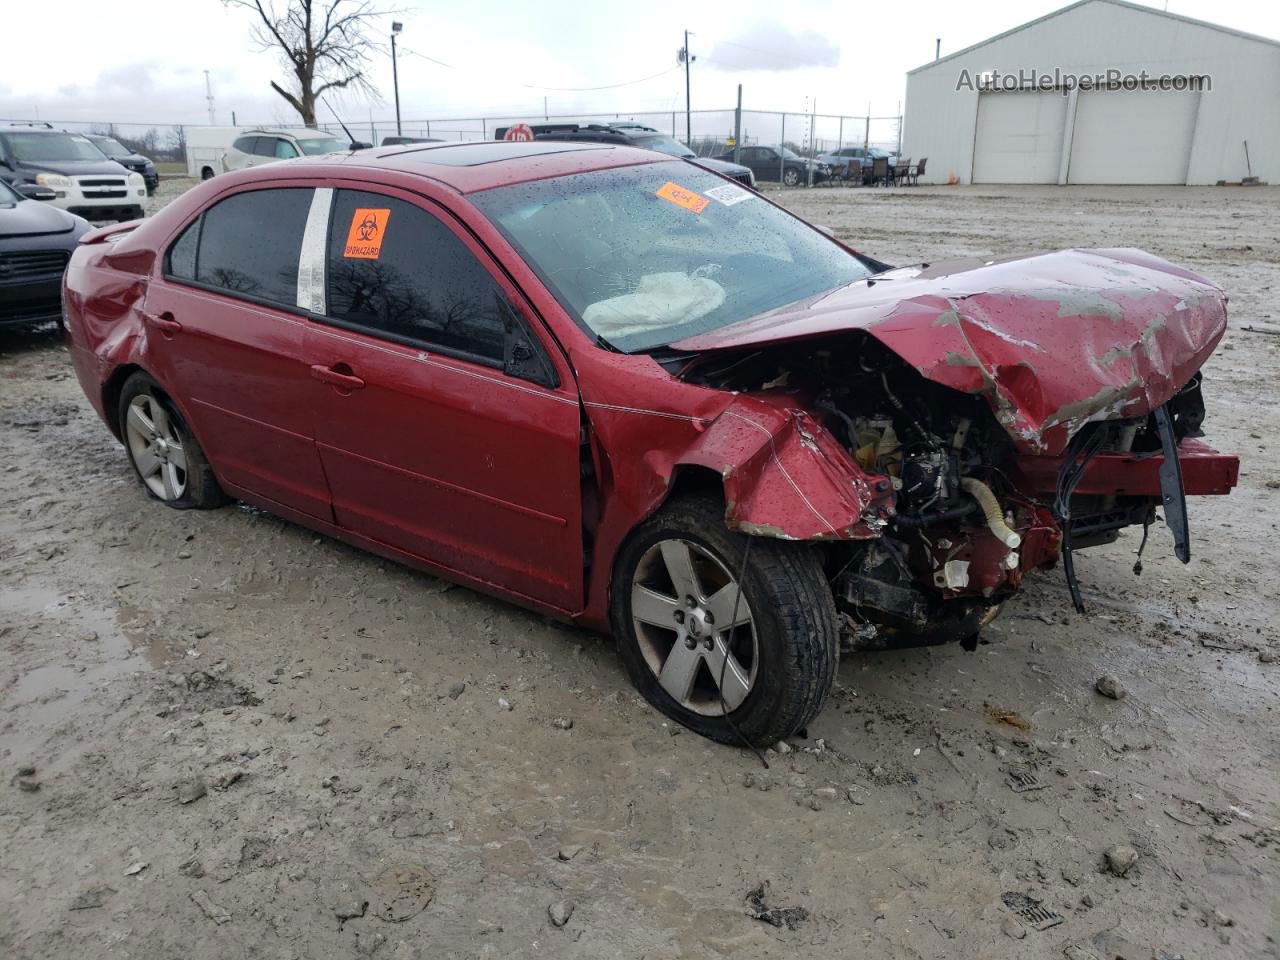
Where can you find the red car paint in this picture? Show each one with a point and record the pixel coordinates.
(1052, 341)
(492, 493)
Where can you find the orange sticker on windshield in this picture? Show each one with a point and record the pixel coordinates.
(364, 238)
(682, 197)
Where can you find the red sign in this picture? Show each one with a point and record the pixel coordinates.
(520, 131)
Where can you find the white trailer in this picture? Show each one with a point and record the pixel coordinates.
(206, 146)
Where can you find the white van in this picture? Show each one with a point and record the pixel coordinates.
(215, 152)
(206, 146)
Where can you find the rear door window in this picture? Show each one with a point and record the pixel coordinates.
(265, 147)
(249, 245)
(284, 150)
(397, 270)
(181, 261)
(245, 144)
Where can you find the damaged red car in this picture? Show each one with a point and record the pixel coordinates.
(622, 390)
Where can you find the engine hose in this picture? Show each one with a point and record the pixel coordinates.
(991, 510)
(934, 518)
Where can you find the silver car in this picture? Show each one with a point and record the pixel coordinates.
(256, 147)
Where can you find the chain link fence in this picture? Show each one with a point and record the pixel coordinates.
(709, 133)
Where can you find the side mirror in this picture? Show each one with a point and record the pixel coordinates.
(35, 191)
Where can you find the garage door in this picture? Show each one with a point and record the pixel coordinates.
(1132, 136)
(1019, 137)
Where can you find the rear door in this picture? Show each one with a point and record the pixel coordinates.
(226, 338)
(445, 427)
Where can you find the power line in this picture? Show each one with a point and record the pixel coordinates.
(538, 86)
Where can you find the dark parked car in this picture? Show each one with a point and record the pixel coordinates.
(404, 141)
(638, 135)
(770, 164)
(617, 389)
(36, 240)
(128, 159)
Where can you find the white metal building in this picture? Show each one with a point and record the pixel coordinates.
(1193, 132)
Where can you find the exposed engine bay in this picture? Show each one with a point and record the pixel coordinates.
(969, 523)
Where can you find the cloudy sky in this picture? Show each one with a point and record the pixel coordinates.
(144, 60)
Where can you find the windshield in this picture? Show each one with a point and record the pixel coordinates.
(9, 196)
(664, 145)
(791, 154)
(52, 146)
(318, 145)
(647, 255)
(112, 148)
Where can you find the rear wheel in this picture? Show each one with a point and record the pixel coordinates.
(702, 635)
(206, 173)
(164, 452)
(791, 176)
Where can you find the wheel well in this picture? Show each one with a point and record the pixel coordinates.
(693, 479)
(111, 395)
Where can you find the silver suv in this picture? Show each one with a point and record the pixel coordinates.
(256, 147)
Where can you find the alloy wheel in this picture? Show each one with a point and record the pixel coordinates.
(156, 447)
(683, 601)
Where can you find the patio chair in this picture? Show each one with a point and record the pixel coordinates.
(880, 172)
(901, 170)
(918, 170)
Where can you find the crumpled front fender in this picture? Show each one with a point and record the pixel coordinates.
(785, 476)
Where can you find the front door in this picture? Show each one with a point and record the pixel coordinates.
(444, 428)
(226, 338)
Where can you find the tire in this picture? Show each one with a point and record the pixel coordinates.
(783, 656)
(166, 457)
(791, 177)
(206, 173)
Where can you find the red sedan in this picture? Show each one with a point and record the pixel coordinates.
(619, 389)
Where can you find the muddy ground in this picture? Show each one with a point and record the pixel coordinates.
(354, 785)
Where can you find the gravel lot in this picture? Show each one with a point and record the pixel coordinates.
(252, 741)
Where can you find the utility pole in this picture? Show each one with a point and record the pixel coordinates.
(899, 151)
(396, 27)
(737, 126)
(685, 58)
(208, 95)
(937, 49)
(813, 146)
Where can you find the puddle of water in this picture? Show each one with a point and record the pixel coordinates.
(48, 694)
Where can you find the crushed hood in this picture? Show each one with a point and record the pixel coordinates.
(1053, 341)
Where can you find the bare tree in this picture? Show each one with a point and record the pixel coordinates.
(323, 42)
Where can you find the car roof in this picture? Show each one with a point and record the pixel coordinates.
(297, 132)
(477, 165)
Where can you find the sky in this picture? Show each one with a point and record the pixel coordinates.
(144, 61)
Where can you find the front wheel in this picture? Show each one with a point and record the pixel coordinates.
(702, 635)
(791, 176)
(164, 452)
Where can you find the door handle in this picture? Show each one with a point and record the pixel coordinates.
(336, 377)
(163, 322)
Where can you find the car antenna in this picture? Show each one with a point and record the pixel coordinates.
(352, 142)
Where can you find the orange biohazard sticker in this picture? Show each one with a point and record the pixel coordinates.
(682, 197)
(364, 239)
